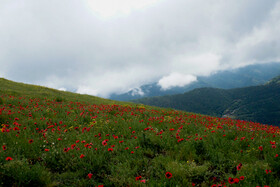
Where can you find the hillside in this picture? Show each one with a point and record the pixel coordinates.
(19, 89)
(54, 138)
(255, 103)
(251, 75)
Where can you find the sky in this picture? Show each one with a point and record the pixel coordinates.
(101, 47)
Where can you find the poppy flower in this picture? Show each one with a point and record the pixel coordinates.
(138, 178)
(236, 180)
(46, 150)
(260, 148)
(82, 156)
(168, 175)
(30, 141)
(143, 181)
(241, 178)
(231, 180)
(239, 167)
(90, 175)
(110, 149)
(104, 143)
(4, 147)
(9, 158)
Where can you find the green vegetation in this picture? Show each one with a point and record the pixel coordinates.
(53, 138)
(257, 103)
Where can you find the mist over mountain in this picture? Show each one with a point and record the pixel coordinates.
(251, 75)
(255, 103)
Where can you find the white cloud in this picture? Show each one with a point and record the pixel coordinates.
(62, 89)
(137, 91)
(66, 45)
(87, 90)
(175, 79)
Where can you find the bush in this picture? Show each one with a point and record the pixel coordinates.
(20, 173)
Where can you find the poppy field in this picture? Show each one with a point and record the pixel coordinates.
(57, 142)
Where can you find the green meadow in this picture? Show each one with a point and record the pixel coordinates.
(55, 138)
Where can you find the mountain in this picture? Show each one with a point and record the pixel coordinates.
(251, 75)
(255, 103)
(55, 138)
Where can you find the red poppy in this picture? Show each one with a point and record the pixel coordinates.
(236, 180)
(231, 180)
(82, 156)
(30, 141)
(4, 147)
(143, 181)
(241, 178)
(46, 150)
(239, 167)
(90, 175)
(168, 175)
(260, 148)
(138, 178)
(110, 149)
(104, 143)
(276, 155)
(9, 158)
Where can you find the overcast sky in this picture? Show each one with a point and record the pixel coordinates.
(100, 47)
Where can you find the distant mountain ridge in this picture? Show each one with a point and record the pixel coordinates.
(251, 75)
(255, 103)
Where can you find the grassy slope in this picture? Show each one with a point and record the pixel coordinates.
(19, 89)
(256, 103)
(59, 143)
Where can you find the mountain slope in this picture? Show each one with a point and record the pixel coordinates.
(256, 103)
(251, 75)
(48, 139)
(14, 88)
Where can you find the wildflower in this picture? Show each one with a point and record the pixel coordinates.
(241, 178)
(90, 175)
(168, 175)
(138, 178)
(4, 147)
(143, 181)
(231, 180)
(110, 149)
(30, 141)
(46, 150)
(104, 143)
(276, 155)
(239, 167)
(9, 158)
(82, 156)
(236, 180)
(268, 171)
(260, 148)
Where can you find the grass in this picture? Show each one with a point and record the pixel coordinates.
(53, 138)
